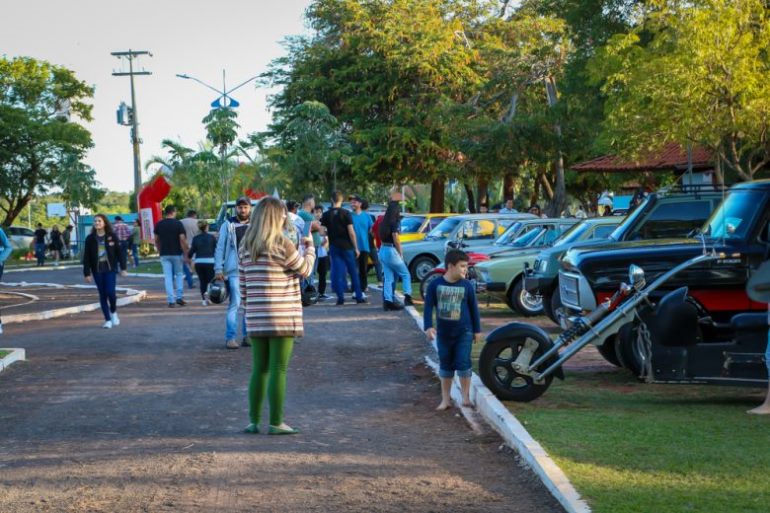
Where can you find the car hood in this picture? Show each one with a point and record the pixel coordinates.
(640, 250)
(510, 260)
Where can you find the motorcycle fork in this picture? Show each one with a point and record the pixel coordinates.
(521, 364)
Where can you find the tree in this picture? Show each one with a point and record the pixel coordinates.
(309, 145)
(40, 147)
(382, 67)
(692, 73)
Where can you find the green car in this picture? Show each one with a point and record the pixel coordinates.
(502, 273)
(505, 276)
(540, 279)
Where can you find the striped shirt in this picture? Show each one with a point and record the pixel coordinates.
(270, 290)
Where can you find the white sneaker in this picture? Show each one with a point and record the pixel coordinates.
(107, 325)
(115, 319)
(205, 302)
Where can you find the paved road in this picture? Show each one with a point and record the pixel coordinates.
(147, 417)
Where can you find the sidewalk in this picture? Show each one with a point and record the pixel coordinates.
(148, 417)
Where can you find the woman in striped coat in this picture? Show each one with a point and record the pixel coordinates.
(270, 269)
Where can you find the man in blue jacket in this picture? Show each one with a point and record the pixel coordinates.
(226, 268)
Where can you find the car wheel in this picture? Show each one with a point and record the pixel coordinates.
(522, 301)
(421, 266)
(609, 352)
(626, 348)
(425, 283)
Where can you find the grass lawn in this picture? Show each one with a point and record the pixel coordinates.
(147, 267)
(3, 354)
(633, 447)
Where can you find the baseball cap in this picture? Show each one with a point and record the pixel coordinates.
(243, 200)
(355, 197)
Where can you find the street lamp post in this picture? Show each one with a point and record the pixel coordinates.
(224, 100)
(224, 94)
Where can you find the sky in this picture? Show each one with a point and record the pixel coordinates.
(193, 37)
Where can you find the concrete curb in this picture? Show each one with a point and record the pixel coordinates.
(17, 355)
(133, 296)
(514, 434)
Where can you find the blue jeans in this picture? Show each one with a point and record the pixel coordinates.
(454, 354)
(135, 253)
(393, 265)
(105, 284)
(187, 275)
(344, 262)
(40, 252)
(231, 320)
(172, 277)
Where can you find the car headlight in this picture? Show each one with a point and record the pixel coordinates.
(483, 276)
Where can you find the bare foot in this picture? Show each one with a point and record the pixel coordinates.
(761, 410)
(443, 406)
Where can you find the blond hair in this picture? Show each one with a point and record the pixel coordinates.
(265, 232)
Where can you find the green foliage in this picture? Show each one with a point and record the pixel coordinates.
(691, 72)
(221, 127)
(40, 148)
(382, 68)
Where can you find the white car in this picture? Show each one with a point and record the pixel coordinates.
(20, 237)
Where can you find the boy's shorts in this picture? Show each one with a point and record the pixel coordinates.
(454, 354)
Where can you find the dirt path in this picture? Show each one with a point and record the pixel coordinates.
(147, 417)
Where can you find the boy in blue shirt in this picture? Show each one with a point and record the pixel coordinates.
(457, 324)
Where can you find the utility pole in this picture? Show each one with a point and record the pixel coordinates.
(135, 140)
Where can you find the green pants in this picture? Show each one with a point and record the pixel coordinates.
(271, 360)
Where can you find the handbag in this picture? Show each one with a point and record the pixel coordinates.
(758, 287)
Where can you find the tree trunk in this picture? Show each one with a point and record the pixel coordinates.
(437, 196)
(559, 199)
(543, 178)
(508, 186)
(483, 193)
(471, 198)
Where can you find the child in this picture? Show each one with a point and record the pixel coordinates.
(457, 324)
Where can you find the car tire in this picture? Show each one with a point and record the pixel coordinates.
(626, 351)
(609, 351)
(425, 282)
(421, 266)
(522, 301)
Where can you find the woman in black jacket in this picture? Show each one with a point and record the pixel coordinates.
(102, 259)
(202, 250)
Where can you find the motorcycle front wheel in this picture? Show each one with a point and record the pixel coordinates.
(497, 372)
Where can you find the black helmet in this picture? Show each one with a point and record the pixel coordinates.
(217, 292)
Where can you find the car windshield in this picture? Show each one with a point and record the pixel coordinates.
(444, 228)
(630, 220)
(411, 224)
(509, 235)
(527, 238)
(735, 216)
(572, 234)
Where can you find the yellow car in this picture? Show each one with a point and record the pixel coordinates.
(414, 227)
